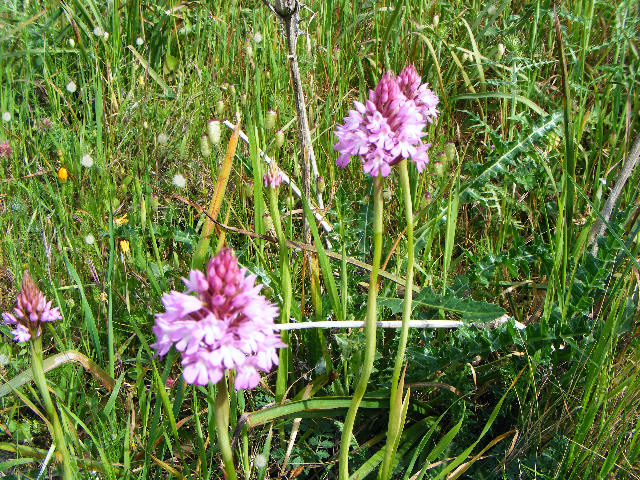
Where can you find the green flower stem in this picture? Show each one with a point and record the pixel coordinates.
(41, 383)
(286, 292)
(369, 330)
(396, 407)
(221, 414)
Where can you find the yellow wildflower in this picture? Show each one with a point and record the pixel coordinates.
(121, 220)
(63, 174)
(124, 247)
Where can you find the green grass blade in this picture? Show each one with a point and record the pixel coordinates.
(327, 273)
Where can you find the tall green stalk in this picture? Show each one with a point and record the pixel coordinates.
(221, 414)
(41, 383)
(285, 289)
(396, 407)
(369, 331)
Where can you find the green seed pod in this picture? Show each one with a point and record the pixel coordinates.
(268, 223)
(450, 152)
(213, 131)
(219, 108)
(270, 119)
(247, 189)
(321, 184)
(205, 149)
(438, 168)
(279, 138)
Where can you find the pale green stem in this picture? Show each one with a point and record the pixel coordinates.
(285, 289)
(41, 383)
(221, 414)
(369, 331)
(396, 407)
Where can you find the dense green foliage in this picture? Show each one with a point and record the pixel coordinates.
(504, 231)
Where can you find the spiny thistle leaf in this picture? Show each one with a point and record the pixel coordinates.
(467, 308)
(498, 166)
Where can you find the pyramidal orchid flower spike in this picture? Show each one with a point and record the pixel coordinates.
(227, 324)
(31, 310)
(390, 125)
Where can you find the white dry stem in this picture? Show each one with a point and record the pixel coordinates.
(430, 324)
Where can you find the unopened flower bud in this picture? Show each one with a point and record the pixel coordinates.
(273, 177)
(438, 168)
(213, 131)
(248, 49)
(155, 203)
(291, 202)
(426, 199)
(243, 99)
(71, 42)
(219, 107)
(296, 169)
(321, 184)
(386, 194)
(613, 137)
(63, 174)
(205, 149)
(450, 151)
(270, 119)
(501, 50)
(5, 150)
(436, 21)
(279, 138)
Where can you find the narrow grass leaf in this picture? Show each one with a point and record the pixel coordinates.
(88, 314)
(327, 273)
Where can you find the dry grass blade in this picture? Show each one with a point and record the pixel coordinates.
(50, 363)
(214, 208)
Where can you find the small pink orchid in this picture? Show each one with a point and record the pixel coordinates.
(31, 310)
(389, 125)
(227, 324)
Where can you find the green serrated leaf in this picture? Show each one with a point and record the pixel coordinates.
(468, 308)
(499, 165)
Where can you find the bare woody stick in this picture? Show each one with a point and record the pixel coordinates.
(287, 11)
(630, 162)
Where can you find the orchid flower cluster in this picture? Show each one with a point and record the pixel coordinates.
(390, 125)
(31, 310)
(227, 324)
